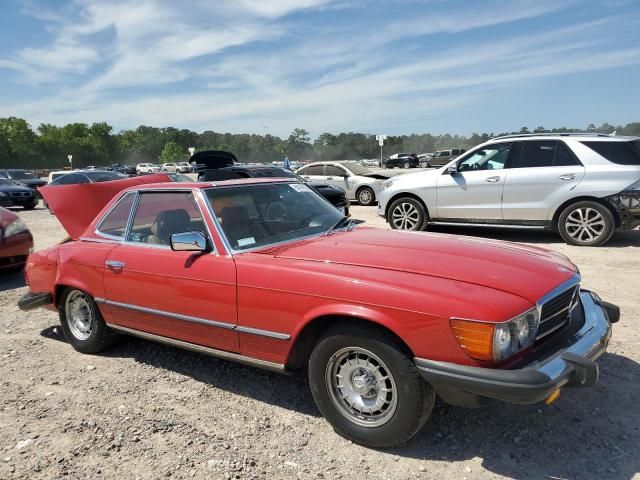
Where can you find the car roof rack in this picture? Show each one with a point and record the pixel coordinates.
(557, 134)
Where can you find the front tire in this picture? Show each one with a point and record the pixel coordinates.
(368, 387)
(587, 224)
(366, 196)
(407, 214)
(407, 165)
(82, 323)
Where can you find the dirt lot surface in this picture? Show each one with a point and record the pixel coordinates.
(147, 411)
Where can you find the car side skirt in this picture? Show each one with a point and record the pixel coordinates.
(516, 224)
(234, 357)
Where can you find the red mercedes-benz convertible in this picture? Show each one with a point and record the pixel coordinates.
(268, 273)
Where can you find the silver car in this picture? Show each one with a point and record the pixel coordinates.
(359, 182)
(583, 186)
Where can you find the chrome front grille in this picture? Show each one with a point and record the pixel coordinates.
(554, 312)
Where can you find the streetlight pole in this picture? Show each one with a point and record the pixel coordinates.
(70, 157)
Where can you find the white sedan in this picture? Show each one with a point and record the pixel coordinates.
(359, 182)
(147, 168)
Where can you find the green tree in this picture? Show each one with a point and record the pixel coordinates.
(172, 152)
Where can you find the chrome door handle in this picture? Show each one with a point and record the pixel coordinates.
(492, 179)
(567, 176)
(114, 264)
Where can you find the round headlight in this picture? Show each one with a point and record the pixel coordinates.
(503, 341)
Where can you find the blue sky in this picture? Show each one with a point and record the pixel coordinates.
(262, 66)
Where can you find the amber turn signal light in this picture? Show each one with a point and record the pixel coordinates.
(475, 338)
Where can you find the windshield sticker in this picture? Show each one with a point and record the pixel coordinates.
(243, 242)
(298, 187)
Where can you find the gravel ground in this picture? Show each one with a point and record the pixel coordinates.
(147, 411)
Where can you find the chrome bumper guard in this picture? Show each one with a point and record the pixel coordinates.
(571, 366)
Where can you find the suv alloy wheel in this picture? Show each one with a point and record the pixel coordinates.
(586, 224)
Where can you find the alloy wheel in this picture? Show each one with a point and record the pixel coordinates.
(405, 216)
(364, 197)
(585, 224)
(80, 315)
(361, 387)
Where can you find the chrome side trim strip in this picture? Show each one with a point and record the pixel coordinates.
(264, 333)
(100, 240)
(177, 316)
(204, 321)
(235, 357)
(491, 225)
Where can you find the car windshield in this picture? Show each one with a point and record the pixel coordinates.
(356, 167)
(264, 214)
(20, 175)
(6, 182)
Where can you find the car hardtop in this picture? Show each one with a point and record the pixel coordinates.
(205, 185)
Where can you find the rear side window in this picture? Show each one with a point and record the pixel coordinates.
(543, 153)
(314, 170)
(621, 153)
(115, 223)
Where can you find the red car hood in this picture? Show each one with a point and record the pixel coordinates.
(76, 206)
(526, 271)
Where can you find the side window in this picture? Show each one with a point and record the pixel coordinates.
(314, 170)
(564, 158)
(333, 171)
(114, 223)
(492, 157)
(161, 214)
(535, 154)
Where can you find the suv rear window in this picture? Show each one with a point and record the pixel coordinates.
(622, 153)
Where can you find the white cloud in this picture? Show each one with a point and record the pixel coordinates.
(197, 68)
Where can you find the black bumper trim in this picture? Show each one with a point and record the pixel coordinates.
(29, 301)
(571, 367)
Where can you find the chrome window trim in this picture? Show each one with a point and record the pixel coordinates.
(134, 209)
(203, 321)
(97, 231)
(99, 240)
(235, 357)
(228, 246)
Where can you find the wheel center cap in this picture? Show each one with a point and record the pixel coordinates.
(363, 383)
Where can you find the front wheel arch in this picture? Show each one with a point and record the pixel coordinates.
(306, 339)
(397, 196)
(373, 193)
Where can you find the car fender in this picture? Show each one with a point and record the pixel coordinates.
(347, 310)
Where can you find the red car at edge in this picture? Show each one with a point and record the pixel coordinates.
(16, 241)
(267, 273)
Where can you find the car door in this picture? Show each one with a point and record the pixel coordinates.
(539, 174)
(339, 177)
(176, 294)
(474, 192)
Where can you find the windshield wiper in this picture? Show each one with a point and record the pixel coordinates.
(343, 222)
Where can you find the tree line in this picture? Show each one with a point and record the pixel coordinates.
(48, 146)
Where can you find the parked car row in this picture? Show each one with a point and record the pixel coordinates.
(265, 272)
(582, 186)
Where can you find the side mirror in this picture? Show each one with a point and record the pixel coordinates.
(189, 242)
(452, 169)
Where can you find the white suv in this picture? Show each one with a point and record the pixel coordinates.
(582, 186)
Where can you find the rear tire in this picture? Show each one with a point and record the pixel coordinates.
(407, 213)
(82, 323)
(587, 224)
(367, 387)
(366, 196)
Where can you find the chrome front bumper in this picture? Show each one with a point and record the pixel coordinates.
(570, 366)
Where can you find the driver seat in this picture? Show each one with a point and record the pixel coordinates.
(167, 223)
